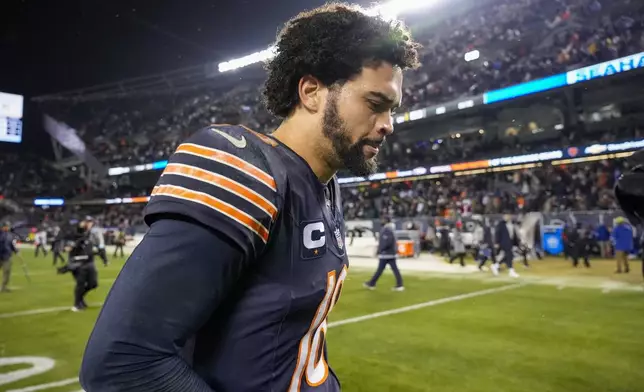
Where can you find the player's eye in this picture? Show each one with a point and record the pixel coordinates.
(381, 107)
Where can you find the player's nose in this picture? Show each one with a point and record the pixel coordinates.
(385, 124)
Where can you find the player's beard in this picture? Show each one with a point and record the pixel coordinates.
(349, 156)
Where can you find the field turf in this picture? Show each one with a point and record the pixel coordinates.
(554, 329)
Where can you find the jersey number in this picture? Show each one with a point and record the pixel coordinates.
(310, 358)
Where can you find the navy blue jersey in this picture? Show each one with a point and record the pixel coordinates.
(270, 333)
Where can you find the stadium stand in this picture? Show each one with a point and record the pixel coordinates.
(514, 41)
(520, 41)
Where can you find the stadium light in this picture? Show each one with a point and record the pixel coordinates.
(389, 10)
(472, 55)
(253, 58)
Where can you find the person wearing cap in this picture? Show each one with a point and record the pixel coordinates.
(623, 243)
(7, 249)
(387, 255)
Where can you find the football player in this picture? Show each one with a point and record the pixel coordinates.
(231, 287)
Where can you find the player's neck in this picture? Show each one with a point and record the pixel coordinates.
(302, 139)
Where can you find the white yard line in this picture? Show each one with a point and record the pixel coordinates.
(348, 321)
(332, 324)
(50, 385)
(40, 311)
(424, 305)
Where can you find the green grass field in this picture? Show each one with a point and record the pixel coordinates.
(560, 329)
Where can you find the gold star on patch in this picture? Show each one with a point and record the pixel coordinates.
(315, 252)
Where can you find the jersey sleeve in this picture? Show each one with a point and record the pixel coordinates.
(220, 178)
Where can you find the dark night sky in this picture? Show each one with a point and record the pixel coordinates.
(50, 46)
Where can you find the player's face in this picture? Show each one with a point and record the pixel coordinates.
(358, 117)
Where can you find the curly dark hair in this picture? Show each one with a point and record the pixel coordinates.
(332, 43)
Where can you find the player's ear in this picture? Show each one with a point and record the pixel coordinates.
(310, 91)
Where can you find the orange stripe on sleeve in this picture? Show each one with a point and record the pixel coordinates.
(220, 206)
(230, 160)
(225, 183)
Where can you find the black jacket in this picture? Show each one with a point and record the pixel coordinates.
(387, 243)
(6, 245)
(504, 240)
(82, 253)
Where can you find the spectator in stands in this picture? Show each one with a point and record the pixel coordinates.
(518, 41)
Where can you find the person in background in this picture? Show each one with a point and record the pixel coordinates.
(504, 241)
(7, 249)
(567, 247)
(623, 244)
(522, 247)
(58, 245)
(387, 254)
(477, 240)
(603, 240)
(580, 246)
(458, 246)
(41, 242)
(81, 265)
(97, 237)
(444, 241)
(486, 251)
(430, 237)
(119, 242)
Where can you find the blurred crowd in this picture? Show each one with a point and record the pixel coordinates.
(579, 187)
(22, 175)
(518, 41)
(400, 155)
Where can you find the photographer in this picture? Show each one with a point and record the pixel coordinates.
(81, 265)
(7, 248)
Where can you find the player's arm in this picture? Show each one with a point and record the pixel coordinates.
(210, 216)
(169, 287)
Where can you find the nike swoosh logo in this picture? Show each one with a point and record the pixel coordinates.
(239, 143)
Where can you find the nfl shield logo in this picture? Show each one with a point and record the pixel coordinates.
(338, 238)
